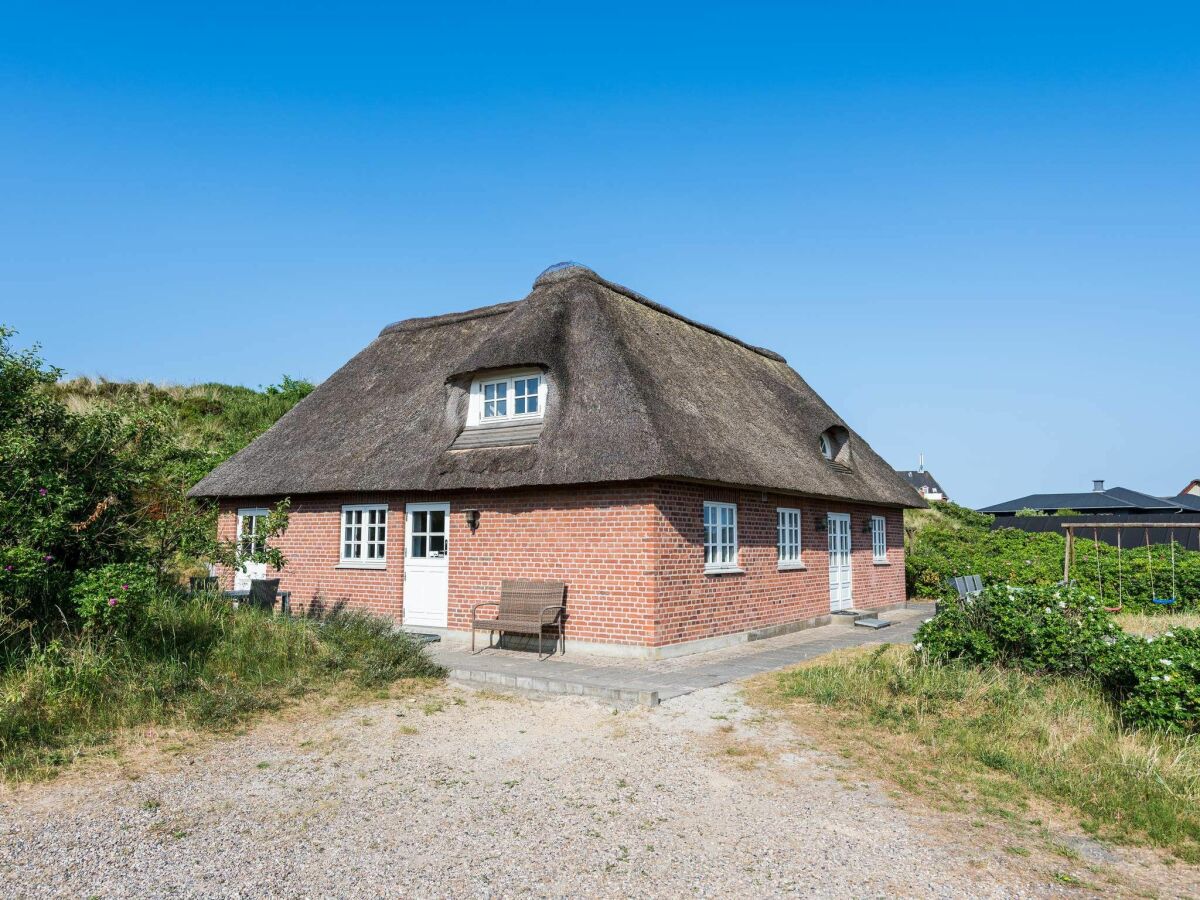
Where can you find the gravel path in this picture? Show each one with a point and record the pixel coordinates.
(454, 793)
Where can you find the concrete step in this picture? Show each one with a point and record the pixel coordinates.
(847, 617)
(547, 685)
(873, 622)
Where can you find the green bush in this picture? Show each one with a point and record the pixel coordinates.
(113, 596)
(1153, 681)
(957, 541)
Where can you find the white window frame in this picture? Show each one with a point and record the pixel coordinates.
(791, 555)
(720, 554)
(364, 540)
(879, 539)
(475, 417)
(253, 513)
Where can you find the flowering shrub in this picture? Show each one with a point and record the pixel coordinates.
(113, 596)
(1065, 631)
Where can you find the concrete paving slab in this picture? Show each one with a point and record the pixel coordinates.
(647, 682)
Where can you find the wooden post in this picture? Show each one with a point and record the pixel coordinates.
(1070, 548)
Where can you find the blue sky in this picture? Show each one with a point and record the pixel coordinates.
(974, 232)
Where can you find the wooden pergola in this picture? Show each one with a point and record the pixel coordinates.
(1069, 555)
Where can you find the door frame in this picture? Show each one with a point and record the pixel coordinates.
(243, 570)
(848, 601)
(426, 564)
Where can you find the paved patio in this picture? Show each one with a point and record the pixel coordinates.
(649, 682)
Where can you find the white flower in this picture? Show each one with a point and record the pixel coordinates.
(1062, 604)
(1166, 678)
(1150, 639)
(1155, 678)
(1048, 610)
(917, 645)
(1166, 662)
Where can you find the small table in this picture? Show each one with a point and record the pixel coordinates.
(285, 599)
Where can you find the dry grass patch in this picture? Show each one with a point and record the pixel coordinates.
(998, 742)
(1155, 624)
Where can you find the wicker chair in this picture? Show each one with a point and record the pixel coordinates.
(524, 607)
(203, 584)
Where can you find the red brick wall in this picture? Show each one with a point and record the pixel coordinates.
(618, 548)
(693, 605)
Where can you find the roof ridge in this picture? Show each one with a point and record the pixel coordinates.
(419, 322)
(562, 272)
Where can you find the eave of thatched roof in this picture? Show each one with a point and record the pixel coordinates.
(636, 392)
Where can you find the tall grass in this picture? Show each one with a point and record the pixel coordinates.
(192, 663)
(992, 738)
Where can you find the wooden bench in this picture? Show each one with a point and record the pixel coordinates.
(524, 607)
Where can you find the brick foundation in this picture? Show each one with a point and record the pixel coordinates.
(631, 555)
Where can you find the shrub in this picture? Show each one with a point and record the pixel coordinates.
(113, 596)
(1153, 681)
(953, 541)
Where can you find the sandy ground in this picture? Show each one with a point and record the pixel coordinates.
(458, 793)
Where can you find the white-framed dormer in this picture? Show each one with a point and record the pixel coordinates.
(507, 398)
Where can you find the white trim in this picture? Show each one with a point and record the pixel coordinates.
(724, 544)
(256, 512)
(362, 539)
(475, 417)
(879, 540)
(789, 563)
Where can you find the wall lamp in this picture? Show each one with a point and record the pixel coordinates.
(472, 517)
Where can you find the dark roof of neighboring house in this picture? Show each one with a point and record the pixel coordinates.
(918, 480)
(1115, 499)
(636, 391)
(1188, 501)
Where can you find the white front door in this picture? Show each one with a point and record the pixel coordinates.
(249, 540)
(840, 588)
(426, 564)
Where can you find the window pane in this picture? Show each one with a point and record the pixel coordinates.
(502, 407)
(502, 389)
(420, 522)
(418, 546)
(519, 406)
(489, 392)
(437, 545)
(533, 402)
(437, 521)
(489, 409)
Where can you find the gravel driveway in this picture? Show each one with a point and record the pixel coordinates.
(454, 793)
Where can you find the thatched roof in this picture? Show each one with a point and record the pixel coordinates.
(636, 391)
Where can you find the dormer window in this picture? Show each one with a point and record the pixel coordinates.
(507, 398)
(835, 445)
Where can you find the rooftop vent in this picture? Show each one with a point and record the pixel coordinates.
(1098, 485)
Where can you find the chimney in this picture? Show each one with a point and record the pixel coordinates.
(921, 463)
(1097, 485)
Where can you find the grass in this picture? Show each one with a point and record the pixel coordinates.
(193, 663)
(1154, 624)
(995, 741)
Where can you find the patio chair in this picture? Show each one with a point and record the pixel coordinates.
(524, 607)
(262, 593)
(967, 586)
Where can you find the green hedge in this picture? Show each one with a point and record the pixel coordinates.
(955, 541)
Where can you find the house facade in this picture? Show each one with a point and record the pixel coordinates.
(691, 490)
